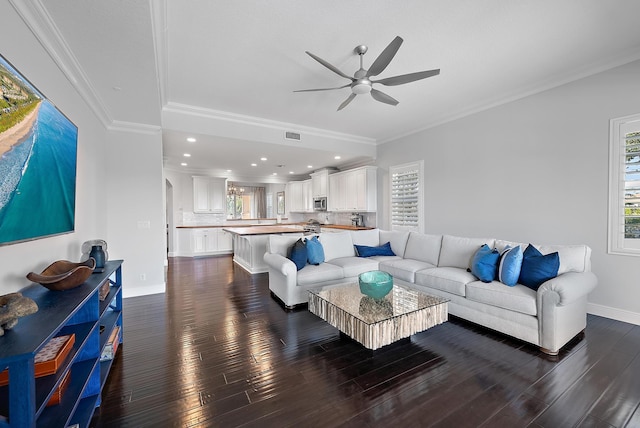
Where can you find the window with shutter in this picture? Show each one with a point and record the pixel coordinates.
(624, 186)
(406, 197)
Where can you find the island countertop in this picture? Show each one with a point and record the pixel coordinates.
(262, 230)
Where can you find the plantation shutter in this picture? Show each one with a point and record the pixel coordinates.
(624, 186)
(406, 197)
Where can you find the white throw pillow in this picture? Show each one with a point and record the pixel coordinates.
(337, 244)
(370, 238)
(457, 251)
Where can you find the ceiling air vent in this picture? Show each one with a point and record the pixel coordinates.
(288, 135)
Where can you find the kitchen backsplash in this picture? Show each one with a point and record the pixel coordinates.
(193, 219)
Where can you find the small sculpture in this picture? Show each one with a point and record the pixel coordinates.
(12, 307)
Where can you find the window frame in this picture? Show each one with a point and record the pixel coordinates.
(617, 243)
(419, 165)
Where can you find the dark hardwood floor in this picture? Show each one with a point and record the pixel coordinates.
(217, 351)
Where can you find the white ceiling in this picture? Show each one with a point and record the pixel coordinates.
(227, 69)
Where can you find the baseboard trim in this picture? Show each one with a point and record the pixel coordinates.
(614, 313)
(144, 290)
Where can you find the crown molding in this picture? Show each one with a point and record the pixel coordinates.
(36, 17)
(140, 128)
(190, 110)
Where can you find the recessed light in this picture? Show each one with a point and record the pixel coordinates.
(290, 172)
(263, 159)
(187, 155)
(254, 164)
(228, 170)
(309, 166)
(191, 140)
(275, 173)
(336, 157)
(183, 164)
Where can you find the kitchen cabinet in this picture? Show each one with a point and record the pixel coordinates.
(209, 194)
(320, 183)
(194, 242)
(78, 311)
(353, 190)
(299, 197)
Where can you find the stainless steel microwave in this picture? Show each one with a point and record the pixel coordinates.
(319, 204)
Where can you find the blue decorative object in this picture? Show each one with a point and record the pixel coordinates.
(510, 265)
(375, 284)
(536, 268)
(485, 263)
(315, 252)
(382, 250)
(298, 254)
(98, 253)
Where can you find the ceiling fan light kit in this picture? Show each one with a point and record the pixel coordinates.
(361, 82)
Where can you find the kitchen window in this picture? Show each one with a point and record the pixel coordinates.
(624, 186)
(406, 197)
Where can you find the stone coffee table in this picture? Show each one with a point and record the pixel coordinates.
(376, 323)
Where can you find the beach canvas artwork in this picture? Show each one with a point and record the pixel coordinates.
(38, 150)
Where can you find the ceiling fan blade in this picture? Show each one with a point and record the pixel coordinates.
(407, 78)
(383, 98)
(329, 66)
(322, 89)
(385, 57)
(346, 102)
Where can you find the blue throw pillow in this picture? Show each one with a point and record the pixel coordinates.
(315, 252)
(537, 268)
(510, 265)
(485, 263)
(297, 253)
(382, 250)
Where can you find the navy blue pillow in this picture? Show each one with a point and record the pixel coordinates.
(485, 263)
(382, 250)
(315, 252)
(537, 268)
(297, 253)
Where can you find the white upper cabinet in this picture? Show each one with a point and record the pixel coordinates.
(299, 197)
(353, 190)
(209, 194)
(320, 184)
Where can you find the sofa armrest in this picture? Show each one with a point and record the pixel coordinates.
(570, 286)
(280, 263)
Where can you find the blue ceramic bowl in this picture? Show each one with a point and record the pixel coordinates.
(375, 283)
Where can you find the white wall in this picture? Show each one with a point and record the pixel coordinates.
(534, 170)
(27, 55)
(135, 205)
(119, 181)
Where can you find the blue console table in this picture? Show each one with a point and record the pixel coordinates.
(81, 312)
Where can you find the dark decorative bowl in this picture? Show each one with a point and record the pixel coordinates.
(64, 275)
(375, 283)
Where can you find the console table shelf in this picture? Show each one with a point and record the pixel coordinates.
(79, 311)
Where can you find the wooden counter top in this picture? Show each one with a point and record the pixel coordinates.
(262, 230)
(344, 226)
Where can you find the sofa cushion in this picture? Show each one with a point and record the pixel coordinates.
(518, 298)
(354, 266)
(423, 247)
(457, 251)
(404, 269)
(398, 240)
(297, 253)
(573, 258)
(510, 265)
(315, 252)
(380, 250)
(485, 263)
(538, 268)
(280, 244)
(337, 244)
(370, 238)
(312, 274)
(449, 279)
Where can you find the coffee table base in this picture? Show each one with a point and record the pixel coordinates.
(378, 334)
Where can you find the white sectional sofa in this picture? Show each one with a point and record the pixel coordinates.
(438, 265)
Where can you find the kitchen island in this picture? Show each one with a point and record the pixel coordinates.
(250, 244)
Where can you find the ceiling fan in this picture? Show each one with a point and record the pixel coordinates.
(361, 82)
